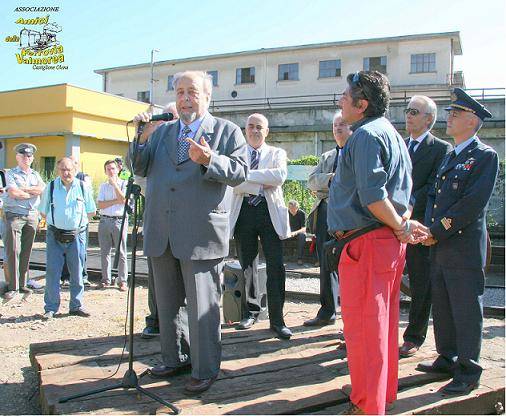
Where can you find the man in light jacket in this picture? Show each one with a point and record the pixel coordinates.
(259, 211)
(319, 182)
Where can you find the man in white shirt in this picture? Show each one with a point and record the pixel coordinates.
(111, 200)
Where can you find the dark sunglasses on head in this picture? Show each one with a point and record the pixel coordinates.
(356, 82)
(412, 111)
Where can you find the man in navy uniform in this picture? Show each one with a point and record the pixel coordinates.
(426, 152)
(456, 215)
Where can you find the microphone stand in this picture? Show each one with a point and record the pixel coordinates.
(130, 379)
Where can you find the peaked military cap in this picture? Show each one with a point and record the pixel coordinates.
(25, 149)
(462, 101)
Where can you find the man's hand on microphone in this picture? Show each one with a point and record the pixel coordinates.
(199, 153)
(149, 128)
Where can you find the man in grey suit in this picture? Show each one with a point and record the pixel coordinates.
(319, 182)
(188, 165)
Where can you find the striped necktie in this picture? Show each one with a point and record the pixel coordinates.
(254, 199)
(182, 145)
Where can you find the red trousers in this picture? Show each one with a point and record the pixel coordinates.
(370, 272)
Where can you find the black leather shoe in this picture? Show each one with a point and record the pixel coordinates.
(246, 323)
(80, 312)
(163, 371)
(195, 385)
(282, 331)
(455, 387)
(150, 332)
(433, 367)
(319, 322)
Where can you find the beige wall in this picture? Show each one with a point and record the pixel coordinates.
(129, 81)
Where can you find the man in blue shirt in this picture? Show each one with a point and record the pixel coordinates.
(372, 186)
(67, 204)
(457, 235)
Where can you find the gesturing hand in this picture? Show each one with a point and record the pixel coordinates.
(199, 153)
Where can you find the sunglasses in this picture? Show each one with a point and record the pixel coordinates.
(412, 111)
(355, 81)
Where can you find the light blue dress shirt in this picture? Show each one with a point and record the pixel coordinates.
(71, 208)
(374, 164)
(463, 145)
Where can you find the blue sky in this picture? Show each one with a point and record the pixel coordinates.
(100, 34)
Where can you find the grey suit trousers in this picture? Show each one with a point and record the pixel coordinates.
(191, 333)
(19, 234)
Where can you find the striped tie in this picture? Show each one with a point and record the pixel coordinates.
(183, 145)
(254, 200)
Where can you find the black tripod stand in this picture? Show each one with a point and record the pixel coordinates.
(130, 379)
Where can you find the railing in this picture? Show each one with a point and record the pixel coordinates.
(323, 100)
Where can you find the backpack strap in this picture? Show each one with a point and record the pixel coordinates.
(51, 204)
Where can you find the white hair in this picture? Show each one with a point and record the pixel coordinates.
(207, 79)
(338, 113)
(293, 203)
(430, 107)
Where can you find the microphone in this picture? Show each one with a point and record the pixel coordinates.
(159, 117)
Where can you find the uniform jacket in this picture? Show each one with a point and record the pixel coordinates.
(271, 171)
(457, 203)
(319, 178)
(186, 203)
(426, 161)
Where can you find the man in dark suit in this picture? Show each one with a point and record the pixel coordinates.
(189, 165)
(457, 234)
(426, 152)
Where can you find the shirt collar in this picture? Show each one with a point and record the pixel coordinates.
(259, 150)
(18, 169)
(194, 125)
(463, 145)
(420, 138)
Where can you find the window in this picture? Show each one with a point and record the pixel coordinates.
(330, 69)
(48, 164)
(170, 81)
(423, 62)
(376, 63)
(245, 75)
(143, 96)
(288, 72)
(214, 74)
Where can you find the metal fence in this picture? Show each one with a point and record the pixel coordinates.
(325, 100)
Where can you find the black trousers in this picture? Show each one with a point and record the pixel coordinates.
(254, 223)
(417, 260)
(329, 284)
(457, 297)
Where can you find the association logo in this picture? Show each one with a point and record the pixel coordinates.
(38, 40)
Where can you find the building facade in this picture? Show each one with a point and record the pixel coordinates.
(299, 74)
(64, 120)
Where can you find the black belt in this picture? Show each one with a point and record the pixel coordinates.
(111, 216)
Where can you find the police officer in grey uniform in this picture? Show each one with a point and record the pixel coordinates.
(24, 187)
(456, 214)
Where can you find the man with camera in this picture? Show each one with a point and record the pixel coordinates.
(67, 204)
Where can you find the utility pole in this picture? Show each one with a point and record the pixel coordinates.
(152, 81)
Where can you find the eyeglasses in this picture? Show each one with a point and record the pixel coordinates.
(411, 111)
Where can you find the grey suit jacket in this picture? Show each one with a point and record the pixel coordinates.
(186, 204)
(319, 178)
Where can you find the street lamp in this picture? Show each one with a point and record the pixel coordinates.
(152, 81)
